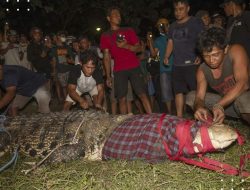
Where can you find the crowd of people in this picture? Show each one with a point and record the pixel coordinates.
(201, 61)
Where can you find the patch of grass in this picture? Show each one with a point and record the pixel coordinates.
(121, 175)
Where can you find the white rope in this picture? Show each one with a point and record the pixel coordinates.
(74, 139)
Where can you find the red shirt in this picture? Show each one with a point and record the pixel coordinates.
(124, 59)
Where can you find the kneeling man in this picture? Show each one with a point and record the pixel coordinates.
(226, 72)
(81, 81)
(20, 85)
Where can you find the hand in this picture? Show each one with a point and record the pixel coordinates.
(219, 116)
(109, 82)
(149, 36)
(197, 61)
(98, 107)
(121, 44)
(84, 104)
(166, 61)
(201, 114)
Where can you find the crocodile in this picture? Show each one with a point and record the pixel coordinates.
(66, 136)
(70, 135)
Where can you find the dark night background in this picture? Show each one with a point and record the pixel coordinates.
(83, 16)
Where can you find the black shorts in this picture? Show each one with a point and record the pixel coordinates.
(121, 82)
(98, 76)
(184, 78)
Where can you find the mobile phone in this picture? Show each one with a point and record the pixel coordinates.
(120, 37)
(162, 26)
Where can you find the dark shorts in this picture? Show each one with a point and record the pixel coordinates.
(184, 78)
(98, 76)
(121, 79)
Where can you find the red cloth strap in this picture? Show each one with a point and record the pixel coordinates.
(184, 137)
(206, 141)
(240, 138)
(159, 125)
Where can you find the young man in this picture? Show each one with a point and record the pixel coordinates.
(37, 53)
(122, 44)
(165, 71)
(85, 46)
(81, 81)
(10, 49)
(62, 61)
(20, 85)
(183, 36)
(226, 71)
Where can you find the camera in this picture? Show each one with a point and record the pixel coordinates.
(120, 37)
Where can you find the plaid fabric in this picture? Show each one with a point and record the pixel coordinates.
(138, 138)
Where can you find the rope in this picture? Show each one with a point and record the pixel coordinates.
(15, 153)
(3, 129)
(43, 160)
(13, 160)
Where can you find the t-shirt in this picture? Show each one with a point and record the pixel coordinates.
(184, 36)
(83, 83)
(160, 43)
(124, 59)
(240, 33)
(27, 82)
(24, 61)
(11, 57)
(39, 63)
(61, 53)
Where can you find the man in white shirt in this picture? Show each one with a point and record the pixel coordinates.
(81, 81)
(10, 49)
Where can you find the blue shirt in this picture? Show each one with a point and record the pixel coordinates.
(26, 82)
(161, 43)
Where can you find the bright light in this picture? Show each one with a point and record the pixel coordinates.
(28, 9)
(17, 0)
(98, 29)
(7, 1)
(17, 9)
(7, 9)
(28, 0)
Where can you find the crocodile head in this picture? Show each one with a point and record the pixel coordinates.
(221, 136)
